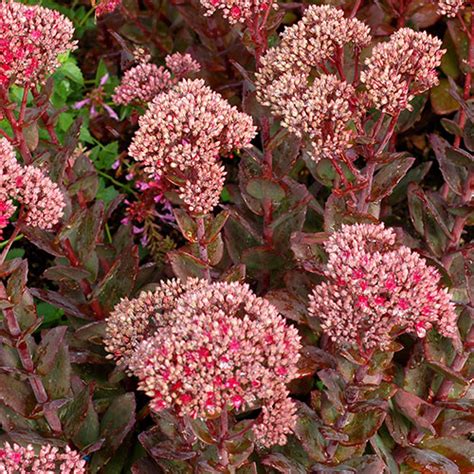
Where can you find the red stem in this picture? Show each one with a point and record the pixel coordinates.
(84, 284)
(17, 126)
(268, 174)
(203, 254)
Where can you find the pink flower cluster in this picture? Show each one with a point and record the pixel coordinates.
(48, 460)
(321, 110)
(449, 8)
(31, 38)
(401, 68)
(378, 289)
(200, 348)
(237, 11)
(41, 200)
(143, 82)
(182, 135)
(106, 6)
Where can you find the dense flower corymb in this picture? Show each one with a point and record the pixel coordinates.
(48, 460)
(134, 320)
(449, 8)
(142, 83)
(293, 80)
(378, 289)
(41, 199)
(182, 135)
(31, 38)
(237, 11)
(400, 68)
(309, 44)
(214, 347)
(322, 112)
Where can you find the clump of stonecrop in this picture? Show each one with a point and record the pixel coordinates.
(202, 348)
(277, 347)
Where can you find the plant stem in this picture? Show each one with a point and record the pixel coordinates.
(267, 174)
(10, 241)
(467, 82)
(202, 244)
(84, 284)
(17, 127)
(363, 204)
(224, 429)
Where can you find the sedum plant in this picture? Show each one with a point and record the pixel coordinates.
(235, 237)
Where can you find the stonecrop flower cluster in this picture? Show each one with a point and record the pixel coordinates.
(31, 38)
(39, 198)
(143, 82)
(294, 79)
(48, 460)
(105, 6)
(378, 289)
(401, 68)
(181, 137)
(200, 348)
(237, 11)
(304, 82)
(449, 8)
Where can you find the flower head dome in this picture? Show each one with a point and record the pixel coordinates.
(400, 68)
(41, 199)
(377, 289)
(216, 346)
(182, 135)
(31, 39)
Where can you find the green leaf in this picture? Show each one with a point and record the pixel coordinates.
(115, 425)
(441, 99)
(265, 189)
(72, 71)
(389, 176)
(185, 265)
(187, 225)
